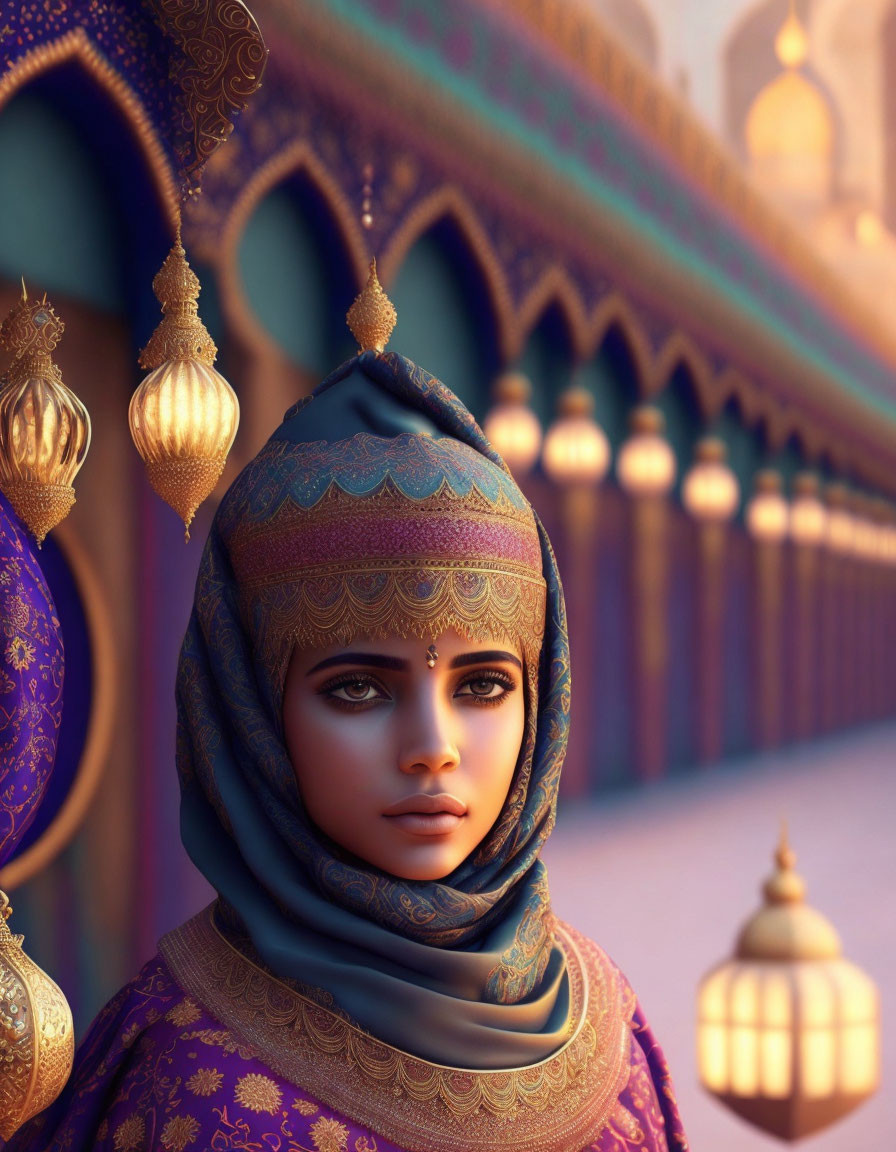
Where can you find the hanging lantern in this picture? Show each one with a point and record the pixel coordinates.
(841, 522)
(511, 426)
(44, 427)
(184, 415)
(37, 1038)
(768, 517)
(710, 491)
(646, 463)
(576, 451)
(808, 516)
(788, 1032)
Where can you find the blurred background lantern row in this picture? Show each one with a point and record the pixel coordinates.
(820, 561)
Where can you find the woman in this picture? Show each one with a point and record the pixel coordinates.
(373, 696)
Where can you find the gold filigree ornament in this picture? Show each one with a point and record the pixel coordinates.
(37, 1038)
(44, 427)
(184, 415)
(372, 316)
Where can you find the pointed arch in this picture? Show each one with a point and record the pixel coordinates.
(614, 311)
(774, 423)
(297, 158)
(678, 350)
(733, 386)
(76, 47)
(555, 287)
(448, 201)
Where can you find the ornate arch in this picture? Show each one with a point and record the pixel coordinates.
(554, 287)
(680, 350)
(734, 387)
(449, 201)
(77, 47)
(614, 311)
(297, 157)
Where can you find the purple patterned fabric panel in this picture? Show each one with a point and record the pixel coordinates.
(31, 671)
(156, 1072)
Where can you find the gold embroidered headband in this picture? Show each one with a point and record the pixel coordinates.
(385, 563)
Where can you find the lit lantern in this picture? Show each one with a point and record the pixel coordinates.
(841, 523)
(768, 515)
(184, 415)
(710, 491)
(44, 427)
(788, 1031)
(808, 516)
(646, 463)
(511, 426)
(864, 541)
(576, 451)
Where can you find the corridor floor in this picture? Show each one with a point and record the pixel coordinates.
(663, 877)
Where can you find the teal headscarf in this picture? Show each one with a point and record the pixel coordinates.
(464, 971)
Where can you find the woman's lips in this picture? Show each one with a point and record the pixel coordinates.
(426, 815)
(427, 823)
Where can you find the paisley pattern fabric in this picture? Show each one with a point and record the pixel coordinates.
(159, 1072)
(31, 674)
(465, 969)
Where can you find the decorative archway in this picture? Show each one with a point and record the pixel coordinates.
(450, 201)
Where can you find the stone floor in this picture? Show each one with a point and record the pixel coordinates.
(663, 877)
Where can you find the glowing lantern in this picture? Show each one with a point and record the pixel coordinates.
(767, 512)
(44, 427)
(576, 451)
(788, 1031)
(710, 491)
(511, 426)
(808, 516)
(184, 415)
(646, 463)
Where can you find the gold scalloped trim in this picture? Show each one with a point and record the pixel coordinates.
(561, 1103)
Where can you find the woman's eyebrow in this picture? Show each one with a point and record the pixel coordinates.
(366, 659)
(485, 658)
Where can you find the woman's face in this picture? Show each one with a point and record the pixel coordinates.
(404, 765)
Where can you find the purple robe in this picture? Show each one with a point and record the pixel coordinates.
(159, 1071)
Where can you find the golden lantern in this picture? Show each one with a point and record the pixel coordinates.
(184, 415)
(841, 522)
(576, 451)
(768, 517)
(511, 426)
(44, 427)
(808, 516)
(788, 1031)
(710, 491)
(37, 1038)
(646, 463)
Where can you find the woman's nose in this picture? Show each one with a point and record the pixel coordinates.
(430, 745)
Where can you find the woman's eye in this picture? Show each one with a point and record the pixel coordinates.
(486, 687)
(354, 691)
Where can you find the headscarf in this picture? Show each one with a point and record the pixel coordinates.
(31, 671)
(463, 971)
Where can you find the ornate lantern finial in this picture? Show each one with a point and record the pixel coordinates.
(184, 415)
(44, 427)
(372, 316)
